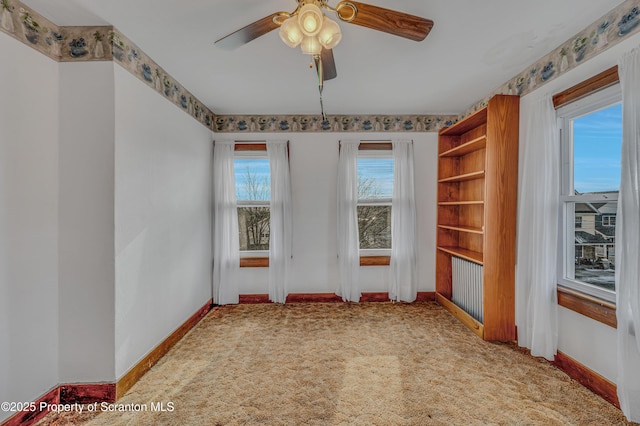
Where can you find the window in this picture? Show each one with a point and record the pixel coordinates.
(253, 194)
(578, 221)
(608, 221)
(591, 138)
(375, 189)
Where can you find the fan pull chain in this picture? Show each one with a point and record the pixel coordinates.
(318, 61)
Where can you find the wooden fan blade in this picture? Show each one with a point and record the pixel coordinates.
(390, 21)
(248, 33)
(328, 65)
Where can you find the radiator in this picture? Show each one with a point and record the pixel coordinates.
(467, 286)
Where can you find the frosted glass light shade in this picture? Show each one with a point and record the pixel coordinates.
(310, 19)
(290, 33)
(330, 34)
(311, 46)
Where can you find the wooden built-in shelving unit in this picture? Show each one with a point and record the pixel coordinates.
(477, 187)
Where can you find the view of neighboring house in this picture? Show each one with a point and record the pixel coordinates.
(595, 228)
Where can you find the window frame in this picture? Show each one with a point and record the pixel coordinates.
(252, 150)
(608, 217)
(587, 104)
(375, 149)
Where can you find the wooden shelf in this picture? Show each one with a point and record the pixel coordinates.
(462, 229)
(476, 205)
(474, 120)
(471, 256)
(464, 177)
(473, 145)
(461, 203)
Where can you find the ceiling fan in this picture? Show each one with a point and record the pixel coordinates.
(317, 35)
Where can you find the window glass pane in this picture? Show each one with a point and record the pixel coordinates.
(375, 178)
(374, 227)
(253, 227)
(253, 181)
(596, 147)
(594, 244)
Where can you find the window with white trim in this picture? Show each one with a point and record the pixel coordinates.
(375, 190)
(253, 195)
(608, 221)
(591, 140)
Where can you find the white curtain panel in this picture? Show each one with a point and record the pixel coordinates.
(226, 246)
(628, 241)
(538, 209)
(403, 280)
(348, 239)
(280, 221)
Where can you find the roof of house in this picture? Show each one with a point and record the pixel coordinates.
(587, 238)
(607, 231)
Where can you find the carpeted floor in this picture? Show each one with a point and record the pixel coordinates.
(339, 364)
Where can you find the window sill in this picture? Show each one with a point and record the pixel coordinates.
(592, 307)
(375, 260)
(254, 262)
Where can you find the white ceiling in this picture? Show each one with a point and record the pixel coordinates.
(474, 47)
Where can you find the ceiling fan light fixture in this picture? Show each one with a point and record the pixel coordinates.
(330, 34)
(310, 19)
(311, 46)
(290, 33)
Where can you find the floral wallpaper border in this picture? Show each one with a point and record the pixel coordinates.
(103, 43)
(65, 44)
(62, 44)
(138, 63)
(333, 123)
(609, 30)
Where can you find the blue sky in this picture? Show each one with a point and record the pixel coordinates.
(597, 142)
(380, 169)
(258, 168)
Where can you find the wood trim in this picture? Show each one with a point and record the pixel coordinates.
(375, 146)
(423, 296)
(27, 418)
(461, 315)
(601, 81)
(137, 371)
(426, 296)
(375, 260)
(253, 146)
(87, 393)
(254, 262)
(380, 296)
(253, 299)
(584, 304)
(314, 298)
(588, 378)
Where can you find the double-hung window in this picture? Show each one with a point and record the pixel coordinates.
(253, 195)
(375, 190)
(591, 139)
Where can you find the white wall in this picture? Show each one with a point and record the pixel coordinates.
(587, 341)
(314, 163)
(28, 223)
(162, 218)
(86, 275)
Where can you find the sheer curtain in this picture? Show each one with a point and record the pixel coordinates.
(403, 280)
(226, 247)
(280, 221)
(539, 203)
(348, 240)
(628, 241)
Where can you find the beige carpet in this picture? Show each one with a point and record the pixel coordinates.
(339, 364)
